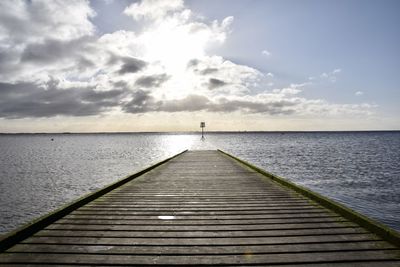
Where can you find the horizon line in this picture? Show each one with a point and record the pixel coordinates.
(199, 131)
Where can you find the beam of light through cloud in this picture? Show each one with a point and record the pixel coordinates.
(54, 63)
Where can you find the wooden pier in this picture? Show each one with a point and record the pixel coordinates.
(202, 208)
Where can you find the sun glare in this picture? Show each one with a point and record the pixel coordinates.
(174, 45)
(178, 143)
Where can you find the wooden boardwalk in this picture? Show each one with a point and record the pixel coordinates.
(202, 208)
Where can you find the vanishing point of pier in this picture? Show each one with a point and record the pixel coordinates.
(202, 208)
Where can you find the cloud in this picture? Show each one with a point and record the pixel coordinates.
(240, 78)
(141, 102)
(281, 107)
(266, 53)
(33, 34)
(55, 63)
(155, 80)
(190, 103)
(131, 65)
(215, 83)
(48, 100)
(35, 21)
(192, 63)
(330, 76)
(207, 71)
(200, 67)
(52, 50)
(153, 9)
(280, 102)
(359, 93)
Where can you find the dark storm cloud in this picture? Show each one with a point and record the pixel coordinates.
(5, 57)
(143, 102)
(120, 84)
(272, 108)
(215, 83)
(207, 71)
(30, 100)
(10, 63)
(99, 96)
(131, 65)
(190, 103)
(51, 50)
(7, 60)
(152, 80)
(24, 100)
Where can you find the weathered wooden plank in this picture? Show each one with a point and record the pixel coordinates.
(194, 217)
(195, 205)
(199, 209)
(220, 194)
(334, 264)
(160, 227)
(216, 192)
(195, 250)
(245, 258)
(157, 221)
(202, 241)
(155, 212)
(200, 234)
(183, 204)
(144, 190)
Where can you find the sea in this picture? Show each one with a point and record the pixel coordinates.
(41, 172)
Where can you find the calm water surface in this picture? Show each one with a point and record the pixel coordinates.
(37, 175)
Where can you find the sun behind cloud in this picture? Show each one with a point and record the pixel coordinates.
(58, 65)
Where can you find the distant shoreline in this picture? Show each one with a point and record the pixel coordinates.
(197, 132)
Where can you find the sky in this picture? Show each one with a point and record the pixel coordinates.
(166, 65)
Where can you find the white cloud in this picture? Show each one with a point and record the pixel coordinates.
(38, 20)
(50, 47)
(359, 93)
(330, 76)
(266, 53)
(32, 32)
(335, 71)
(153, 9)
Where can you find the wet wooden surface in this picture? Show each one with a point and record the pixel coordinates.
(202, 208)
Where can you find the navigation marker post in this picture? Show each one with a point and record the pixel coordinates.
(202, 125)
